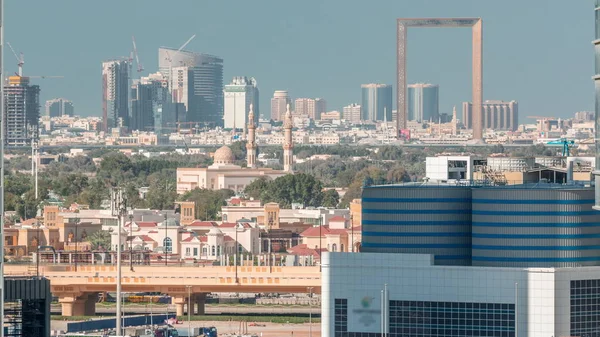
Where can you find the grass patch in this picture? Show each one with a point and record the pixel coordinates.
(71, 318)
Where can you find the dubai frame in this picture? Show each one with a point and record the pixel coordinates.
(477, 29)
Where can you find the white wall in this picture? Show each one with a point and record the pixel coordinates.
(543, 294)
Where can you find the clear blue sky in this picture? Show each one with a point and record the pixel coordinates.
(538, 52)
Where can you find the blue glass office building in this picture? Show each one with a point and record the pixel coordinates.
(542, 225)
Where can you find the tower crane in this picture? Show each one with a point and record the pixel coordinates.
(186, 42)
(140, 67)
(20, 59)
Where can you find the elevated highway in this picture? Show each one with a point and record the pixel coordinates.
(78, 290)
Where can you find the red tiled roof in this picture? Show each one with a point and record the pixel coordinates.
(146, 238)
(228, 238)
(235, 201)
(188, 239)
(304, 250)
(324, 231)
(231, 225)
(337, 218)
(357, 228)
(199, 223)
(152, 232)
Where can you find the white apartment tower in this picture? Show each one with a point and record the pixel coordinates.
(279, 102)
(240, 95)
(351, 113)
(288, 143)
(310, 107)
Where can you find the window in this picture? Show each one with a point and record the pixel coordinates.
(195, 251)
(585, 307)
(341, 317)
(187, 251)
(168, 245)
(212, 250)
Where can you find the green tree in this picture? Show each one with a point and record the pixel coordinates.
(162, 193)
(256, 187)
(294, 188)
(100, 240)
(331, 198)
(208, 202)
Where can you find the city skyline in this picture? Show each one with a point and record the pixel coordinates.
(329, 78)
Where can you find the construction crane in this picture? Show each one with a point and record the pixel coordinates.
(44, 77)
(186, 42)
(566, 144)
(20, 59)
(140, 67)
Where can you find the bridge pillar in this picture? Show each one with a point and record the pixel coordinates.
(90, 304)
(72, 306)
(179, 302)
(200, 304)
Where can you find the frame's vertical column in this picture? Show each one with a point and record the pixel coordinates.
(401, 80)
(477, 80)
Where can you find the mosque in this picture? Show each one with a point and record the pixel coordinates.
(224, 174)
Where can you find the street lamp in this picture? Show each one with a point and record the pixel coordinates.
(165, 241)
(37, 260)
(190, 308)
(309, 311)
(76, 244)
(131, 241)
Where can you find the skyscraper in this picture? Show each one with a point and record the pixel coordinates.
(310, 107)
(22, 108)
(152, 106)
(351, 113)
(376, 99)
(196, 80)
(597, 107)
(59, 107)
(115, 94)
(279, 102)
(496, 115)
(423, 102)
(239, 95)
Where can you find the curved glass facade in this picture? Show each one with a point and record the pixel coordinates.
(428, 220)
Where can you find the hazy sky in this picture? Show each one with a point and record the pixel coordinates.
(538, 52)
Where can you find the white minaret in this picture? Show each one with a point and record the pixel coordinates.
(251, 142)
(454, 122)
(288, 143)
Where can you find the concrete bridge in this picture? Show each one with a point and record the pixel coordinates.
(78, 290)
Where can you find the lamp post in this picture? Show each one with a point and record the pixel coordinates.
(76, 244)
(165, 241)
(309, 311)
(119, 208)
(130, 241)
(190, 308)
(37, 260)
(352, 231)
(237, 250)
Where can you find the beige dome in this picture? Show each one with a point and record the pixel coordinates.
(224, 155)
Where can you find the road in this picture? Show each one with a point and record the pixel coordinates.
(210, 309)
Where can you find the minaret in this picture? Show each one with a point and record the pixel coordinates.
(454, 122)
(288, 143)
(251, 142)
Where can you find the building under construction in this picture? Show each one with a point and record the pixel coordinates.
(27, 307)
(22, 106)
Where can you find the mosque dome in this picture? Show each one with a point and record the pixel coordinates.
(224, 155)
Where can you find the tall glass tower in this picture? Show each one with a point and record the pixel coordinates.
(596, 43)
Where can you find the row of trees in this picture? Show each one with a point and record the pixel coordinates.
(299, 188)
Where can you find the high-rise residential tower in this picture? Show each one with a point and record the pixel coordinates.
(597, 107)
(239, 95)
(59, 107)
(22, 108)
(351, 113)
(196, 80)
(115, 94)
(497, 115)
(423, 102)
(279, 102)
(288, 142)
(152, 106)
(310, 107)
(376, 101)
